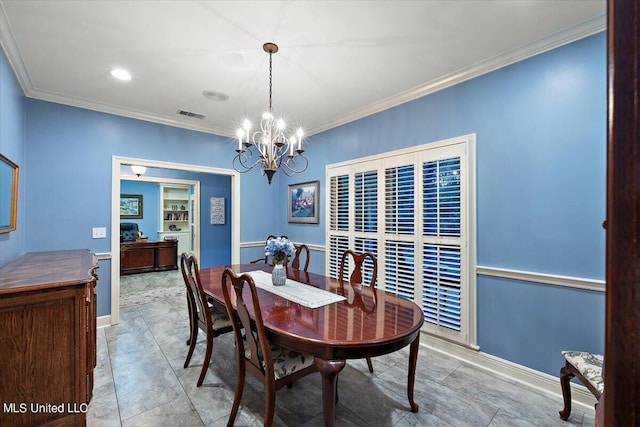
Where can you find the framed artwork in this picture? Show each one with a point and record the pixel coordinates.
(131, 206)
(216, 210)
(303, 202)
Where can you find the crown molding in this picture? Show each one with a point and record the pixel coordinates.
(561, 38)
(118, 111)
(8, 43)
(577, 32)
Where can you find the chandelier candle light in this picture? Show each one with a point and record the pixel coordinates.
(273, 149)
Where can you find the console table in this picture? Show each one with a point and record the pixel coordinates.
(48, 336)
(141, 256)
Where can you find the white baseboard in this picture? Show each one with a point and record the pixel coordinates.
(540, 381)
(102, 321)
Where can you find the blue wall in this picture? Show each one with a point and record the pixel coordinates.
(150, 193)
(215, 240)
(540, 128)
(12, 140)
(541, 138)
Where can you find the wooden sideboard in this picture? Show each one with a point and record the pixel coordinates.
(47, 338)
(141, 256)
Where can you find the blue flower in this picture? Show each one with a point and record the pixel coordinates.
(279, 248)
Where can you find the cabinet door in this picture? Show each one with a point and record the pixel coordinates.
(136, 258)
(167, 255)
(43, 355)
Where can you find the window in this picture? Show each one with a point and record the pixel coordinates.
(411, 209)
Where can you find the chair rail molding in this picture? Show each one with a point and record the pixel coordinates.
(548, 279)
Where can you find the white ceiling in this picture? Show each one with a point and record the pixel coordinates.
(338, 60)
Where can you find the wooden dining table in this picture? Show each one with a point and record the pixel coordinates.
(369, 322)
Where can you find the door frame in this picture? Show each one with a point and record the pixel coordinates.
(116, 175)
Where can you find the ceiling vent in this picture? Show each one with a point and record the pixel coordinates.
(191, 114)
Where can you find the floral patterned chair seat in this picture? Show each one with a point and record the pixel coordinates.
(587, 367)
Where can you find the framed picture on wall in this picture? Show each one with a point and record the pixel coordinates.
(303, 202)
(131, 206)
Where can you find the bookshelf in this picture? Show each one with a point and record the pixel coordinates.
(175, 215)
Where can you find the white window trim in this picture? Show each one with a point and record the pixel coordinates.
(468, 247)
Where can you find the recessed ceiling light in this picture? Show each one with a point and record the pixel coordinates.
(120, 74)
(214, 95)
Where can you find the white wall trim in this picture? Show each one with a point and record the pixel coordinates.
(117, 175)
(540, 381)
(312, 247)
(463, 139)
(549, 279)
(103, 321)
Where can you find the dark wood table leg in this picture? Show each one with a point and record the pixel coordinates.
(413, 362)
(329, 369)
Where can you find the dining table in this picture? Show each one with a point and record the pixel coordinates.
(355, 322)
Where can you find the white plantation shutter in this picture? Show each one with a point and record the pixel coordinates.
(441, 197)
(337, 246)
(442, 292)
(338, 221)
(441, 289)
(366, 201)
(339, 203)
(410, 209)
(399, 203)
(399, 271)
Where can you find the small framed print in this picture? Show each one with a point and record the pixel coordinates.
(303, 202)
(131, 206)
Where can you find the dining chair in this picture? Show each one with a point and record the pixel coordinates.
(212, 321)
(274, 366)
(265, 259)
(295, 264)
(364, 262)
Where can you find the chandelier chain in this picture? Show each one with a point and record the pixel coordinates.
(270, 81)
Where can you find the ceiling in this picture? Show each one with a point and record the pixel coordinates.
(338, 60)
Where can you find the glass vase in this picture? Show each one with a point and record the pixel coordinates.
(278, 275)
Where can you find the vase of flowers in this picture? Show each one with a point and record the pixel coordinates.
(279, 248)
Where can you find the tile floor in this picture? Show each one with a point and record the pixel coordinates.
(140, 381)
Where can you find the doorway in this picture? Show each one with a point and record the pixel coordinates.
(122, 173)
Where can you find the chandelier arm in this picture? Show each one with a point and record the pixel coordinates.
(243, 159)
(295, 164)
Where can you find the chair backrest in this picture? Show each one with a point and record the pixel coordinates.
(196, 299)
(296, 258)
(365, 267)
(128, 231)
(363, 263)
(259, 354)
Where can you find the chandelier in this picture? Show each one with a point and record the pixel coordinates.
(269, 146)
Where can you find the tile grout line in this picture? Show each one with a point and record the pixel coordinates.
(193, 407)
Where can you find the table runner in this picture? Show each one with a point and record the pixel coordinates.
(305, 295)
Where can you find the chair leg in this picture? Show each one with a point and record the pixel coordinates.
(369, 364)
(237, 397)
(190, 322)
(207, 359)
(565, 377)
(193, 338)
(271, 403)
